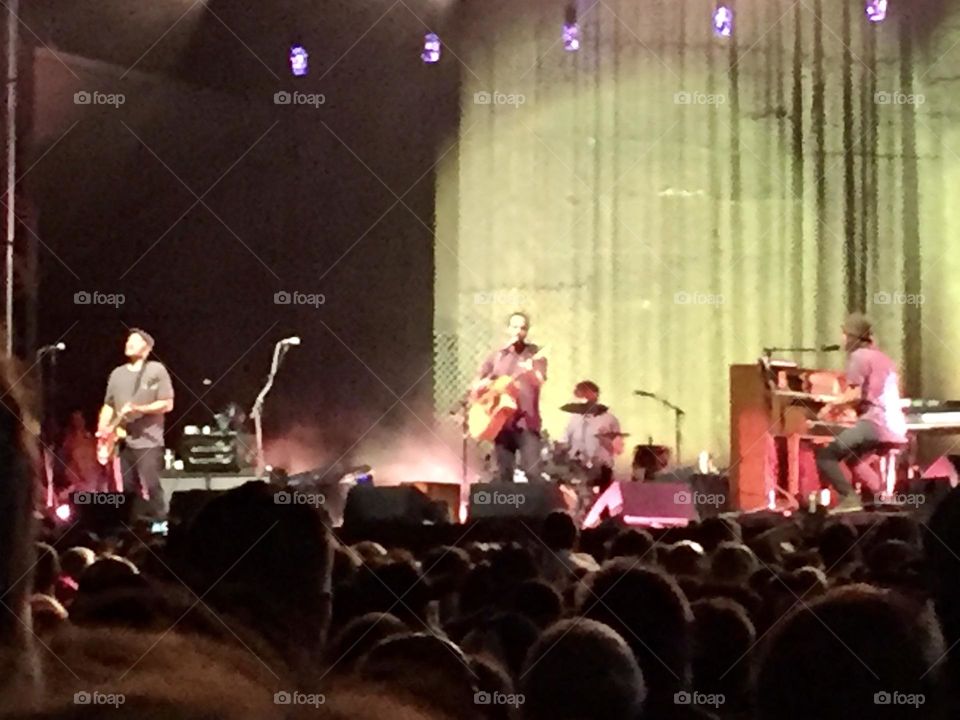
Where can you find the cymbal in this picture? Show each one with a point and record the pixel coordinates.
(612, 435)
(584, 408)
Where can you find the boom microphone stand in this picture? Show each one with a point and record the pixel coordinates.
(279, 351)
(678, 414)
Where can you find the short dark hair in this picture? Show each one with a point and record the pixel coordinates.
(521, 313)
(586, 385)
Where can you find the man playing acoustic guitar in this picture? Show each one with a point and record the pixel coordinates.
(139, 393)
(521, 432)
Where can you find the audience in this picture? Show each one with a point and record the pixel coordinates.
(581, 670)
(856, 652)
(779, 618)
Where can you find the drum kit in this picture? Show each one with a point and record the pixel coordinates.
(581, 475)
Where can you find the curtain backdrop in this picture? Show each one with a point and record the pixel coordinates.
(665, 202)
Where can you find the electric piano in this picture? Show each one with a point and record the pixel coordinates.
(940, 417)
(933, 417)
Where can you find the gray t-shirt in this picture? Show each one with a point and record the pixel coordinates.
(876, 375)
(581, 436)
(143, 431)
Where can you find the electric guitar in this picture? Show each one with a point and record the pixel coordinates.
(107, 439)
(494, 405)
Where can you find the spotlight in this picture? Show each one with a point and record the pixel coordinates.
(571, 30)
(431, 48)
(723, 21)
(299, 61)
(876, 10)
(63, 512)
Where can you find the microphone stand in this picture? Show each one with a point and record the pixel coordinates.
(256, 413)
(48, 411)
(678, 414)
(461, 414)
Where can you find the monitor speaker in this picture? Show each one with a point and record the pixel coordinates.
(526, 500)
(660, 504)
(400, 505)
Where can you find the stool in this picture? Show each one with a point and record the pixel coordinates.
(888, 453)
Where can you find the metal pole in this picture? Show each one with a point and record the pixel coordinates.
(13, 10)
(677, 420)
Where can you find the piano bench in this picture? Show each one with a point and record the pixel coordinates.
(888, 453)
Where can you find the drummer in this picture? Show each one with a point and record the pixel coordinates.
(593, 438)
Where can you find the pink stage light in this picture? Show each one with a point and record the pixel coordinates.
(723, 21)
(876, 10)
(571, 29)
(299, 61)
(431, 48)
(63, 512)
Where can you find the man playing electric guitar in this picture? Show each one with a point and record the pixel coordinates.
(521, 432)
(139, 393)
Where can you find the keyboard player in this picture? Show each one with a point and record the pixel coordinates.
(873, 394)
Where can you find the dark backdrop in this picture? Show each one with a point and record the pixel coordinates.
(305, 199)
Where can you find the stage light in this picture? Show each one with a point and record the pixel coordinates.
(431, 48)
(876, 10)
(299, 60)
(63, 512)
(723, 21)
(571, 30)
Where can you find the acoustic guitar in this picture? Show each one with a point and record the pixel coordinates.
(494, 405)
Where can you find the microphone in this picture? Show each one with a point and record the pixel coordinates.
(292, 340)
(53, 348)
(829, 348)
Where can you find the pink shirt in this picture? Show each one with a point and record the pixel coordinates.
(876, 375)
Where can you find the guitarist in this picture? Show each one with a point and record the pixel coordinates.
(522, 432)
(139, 393)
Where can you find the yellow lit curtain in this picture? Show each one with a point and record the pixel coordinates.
(665, 202)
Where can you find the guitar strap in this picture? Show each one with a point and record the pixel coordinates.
(136, 385)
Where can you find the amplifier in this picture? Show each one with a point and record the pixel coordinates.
(212, 452)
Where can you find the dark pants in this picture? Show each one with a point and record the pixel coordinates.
(505, 447)
(852, 445)
(141, 476)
